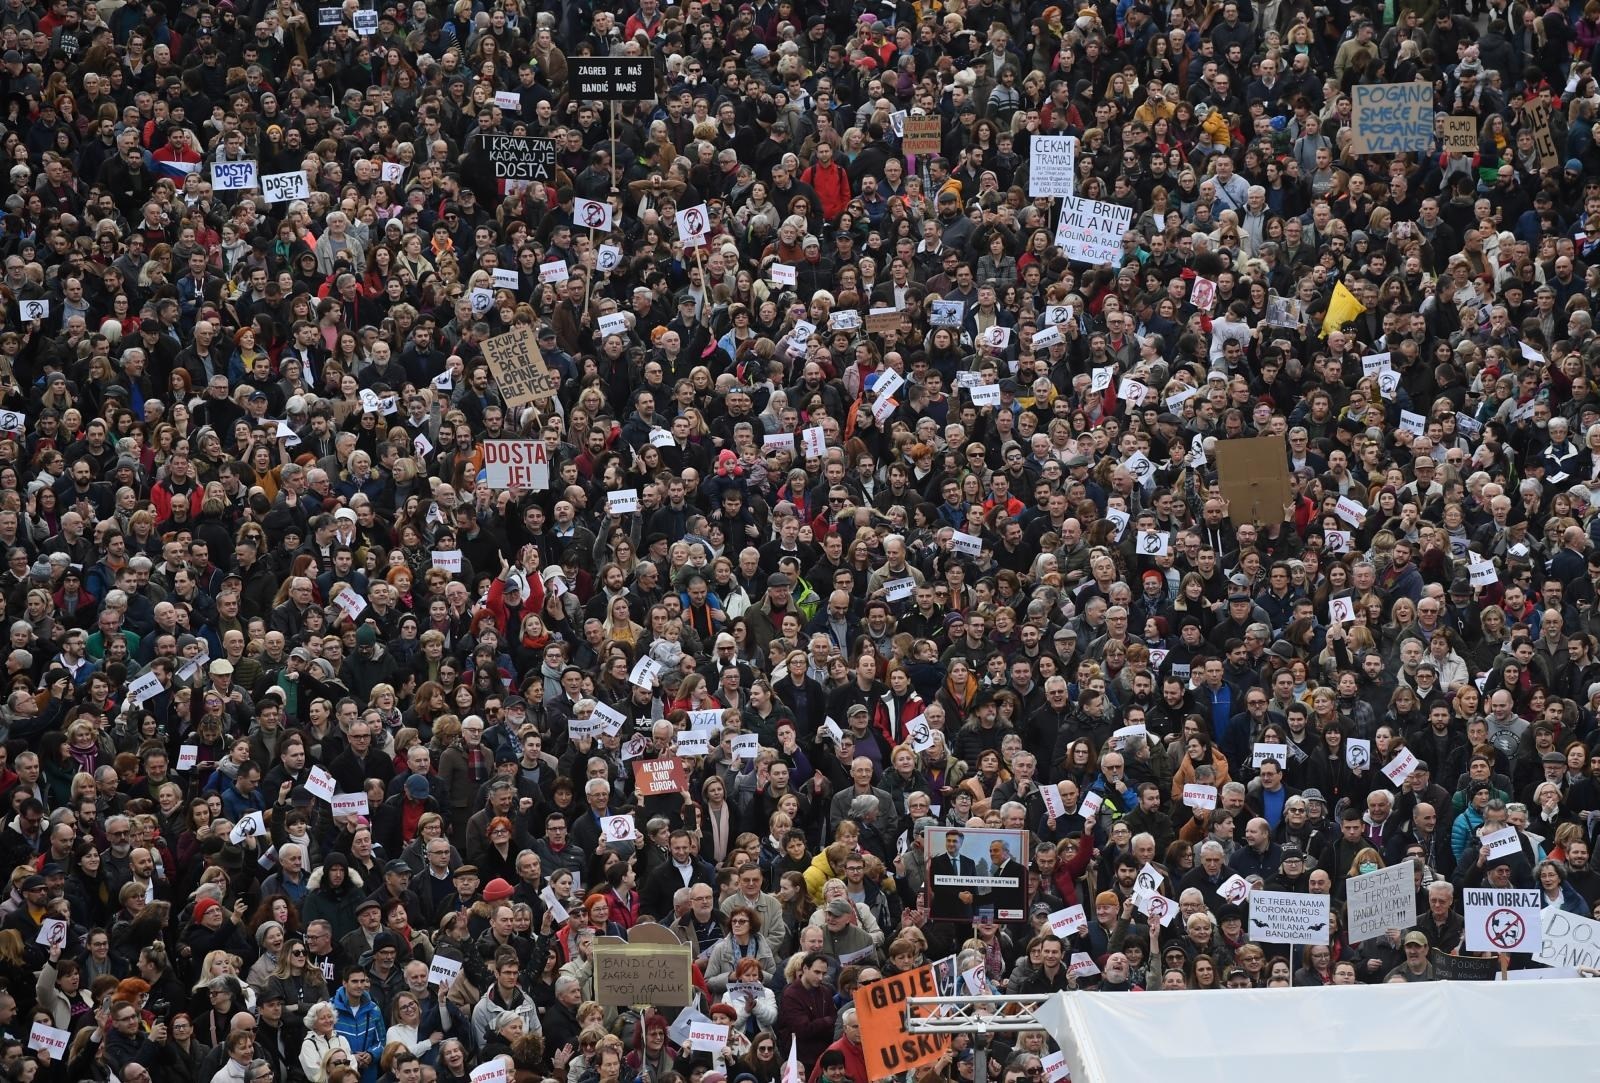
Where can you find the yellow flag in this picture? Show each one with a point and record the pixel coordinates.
(1342, 308)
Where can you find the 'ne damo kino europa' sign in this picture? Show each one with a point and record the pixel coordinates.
(1391, 118)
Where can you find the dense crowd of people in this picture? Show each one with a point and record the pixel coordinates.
(312, 736)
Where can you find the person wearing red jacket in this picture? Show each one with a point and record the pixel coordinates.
(515, 592)
(1068, 871)
(830, 181)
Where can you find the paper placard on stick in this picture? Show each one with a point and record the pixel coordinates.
(1380, 901)
(591, 214)
(1254, 477)
(1288, 917)
(1502, 919)
(1536, 118)
(443, 969)
(519, 370)
(1052, 165)
(694, 221)
(1090, 230)
(1391, 118)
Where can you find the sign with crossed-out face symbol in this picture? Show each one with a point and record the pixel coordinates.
(593, 215)
(1505, 929)
(1158, 910)
(1152, 543)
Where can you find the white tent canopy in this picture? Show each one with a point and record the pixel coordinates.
(1354, 1034)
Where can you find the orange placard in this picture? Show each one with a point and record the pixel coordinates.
(881, 1011)
(652, 778)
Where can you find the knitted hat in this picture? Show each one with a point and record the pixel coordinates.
(204, 907)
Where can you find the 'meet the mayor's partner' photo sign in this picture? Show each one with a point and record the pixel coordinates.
(612, 78)
(976, 873)
(518, 157)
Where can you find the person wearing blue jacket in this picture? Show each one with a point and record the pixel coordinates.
(360, 1021)
(1557, 891)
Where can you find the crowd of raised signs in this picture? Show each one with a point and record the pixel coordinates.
(1094, 498)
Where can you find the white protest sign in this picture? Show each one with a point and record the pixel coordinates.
(1388, 382)
(553, 904)
(1176, 400)
(1277, 753)
(12, 421)
(813, 442)
(365, 23)
(883, 409)
(1046, 337)
(188, 756)
(1081, 966)
(1502, 919)
(1480, 572)
(1068, 921)
(1501, 843)
(1155, 906)
(591, 214)
(1350, 510)
(1100, 380)
(448, 560)
(646, 671)
(394, 172)
(1199, 795)
(283, 187)
(985, 394)
(617, 828)
(1119, 519)
(694, 743)
(52, 933)
(1415, 424)
(1569, 940)
(1123, 734)
(350, 804)
(146, 686)
(1090, 230)
(319, 783)
(920, 734)
(1381, 900)
(694, 221)
(896, 589)
(997, 337)
(1055, 806)
(1341, 610)
(554, 271)
(43, 1036)
(1152, 543)
(1357, 753)
(1057, 314)
(622, 501)
(708, 1037)
(888, 382)
(746, 746)
(1399, 769)
(33, 309)
(250, 825)
(844, 319)
(608, 258)
(1052, 165)
(1288, 917)
(611, 720)
(349, 602)
(1090, 803)
(443, 969)
(1132, 391)
(233, 176)
(506, 278)
(946, 313)
(493, 1071)
(783, 274)
(966, 544)
(1236, 889)
(1336, 541)
(1373, 363)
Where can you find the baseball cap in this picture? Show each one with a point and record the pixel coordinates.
(1414, 937)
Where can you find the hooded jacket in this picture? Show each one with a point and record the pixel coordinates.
(337, 906)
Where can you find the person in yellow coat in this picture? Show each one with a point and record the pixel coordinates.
(1214, 133)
